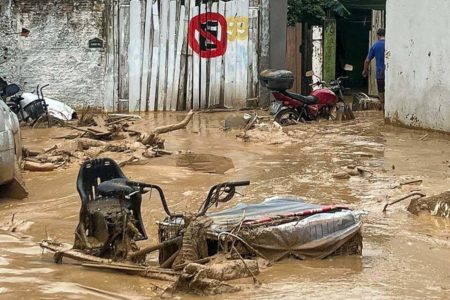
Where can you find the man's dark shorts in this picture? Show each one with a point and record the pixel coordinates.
(380, 84)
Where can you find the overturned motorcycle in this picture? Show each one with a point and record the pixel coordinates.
(33, 108)
(111, 224)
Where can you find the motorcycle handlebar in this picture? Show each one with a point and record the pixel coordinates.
(228, 187)
(317, 83)
(142, 188)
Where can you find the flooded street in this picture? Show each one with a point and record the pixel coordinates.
(404, 256)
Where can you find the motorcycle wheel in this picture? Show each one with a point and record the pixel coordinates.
(287, 116)
(43, 122)
(328, 113)
(333, 113)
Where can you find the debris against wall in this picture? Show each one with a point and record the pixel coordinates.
(56, 52)
(417, 86)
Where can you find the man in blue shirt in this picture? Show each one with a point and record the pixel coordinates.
(377, 52)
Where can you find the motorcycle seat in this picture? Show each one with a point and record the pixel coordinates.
(114, 187)
(309, 100)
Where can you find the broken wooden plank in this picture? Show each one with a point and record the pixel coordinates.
(183, 77)
(38, 167)
(148, 272)
(163, 40)
(150, 249)
(178, 57)
(421, 195)
(61, 251)
(172, 127)
(204, 76)
(155, 58)
(146, 57)
(195, 68)
(124, 38)
(172, 46)
(135, 55)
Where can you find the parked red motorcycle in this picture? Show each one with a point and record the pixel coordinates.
(291, 108)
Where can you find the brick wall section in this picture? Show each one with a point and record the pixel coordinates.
(56, 51)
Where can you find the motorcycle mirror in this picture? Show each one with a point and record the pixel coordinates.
(348, 67)
(309, 73)
(11, 89)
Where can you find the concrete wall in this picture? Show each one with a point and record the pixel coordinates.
(272, 39)
(278, 25)
(56, 51)
(417, 64)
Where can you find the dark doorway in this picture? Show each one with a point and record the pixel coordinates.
(352, 44)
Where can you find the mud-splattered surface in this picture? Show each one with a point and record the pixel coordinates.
(404, 256)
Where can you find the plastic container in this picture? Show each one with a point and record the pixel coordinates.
(277, 80)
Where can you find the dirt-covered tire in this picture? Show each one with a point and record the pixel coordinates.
(328, 113)
(42, 122)
(287, 116)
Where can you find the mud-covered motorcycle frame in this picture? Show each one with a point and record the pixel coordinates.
(215, 195)
(36, 110)
(171, 229)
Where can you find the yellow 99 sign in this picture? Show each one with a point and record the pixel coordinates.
(237, 28)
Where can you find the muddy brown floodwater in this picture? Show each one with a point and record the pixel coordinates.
(404, 256)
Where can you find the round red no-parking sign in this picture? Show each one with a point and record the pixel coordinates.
(208, 35)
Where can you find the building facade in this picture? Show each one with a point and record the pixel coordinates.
(417, 56)
(142, 55)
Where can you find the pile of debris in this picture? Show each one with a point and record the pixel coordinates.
(362, 101)
(99, 134)
(437, 205)
(104, 134)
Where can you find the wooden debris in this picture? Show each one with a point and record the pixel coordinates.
(411, 182)
(62, 251)
(139, 254)
(403, 198)
(70, 136)
(38, 167)
(149, 272)
(86, 116)
(29, 153)
(54, 147)
(436, 205)
(424, 137)
(173, 127)
(98, 138)
(341, 175)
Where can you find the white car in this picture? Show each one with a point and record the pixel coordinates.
(10, 146)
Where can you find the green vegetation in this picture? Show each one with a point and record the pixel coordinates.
(313, 11)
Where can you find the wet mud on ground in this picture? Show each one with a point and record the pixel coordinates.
(404, 256)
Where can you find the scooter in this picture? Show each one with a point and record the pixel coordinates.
(111, 224)
(34, 109)
(291, 108)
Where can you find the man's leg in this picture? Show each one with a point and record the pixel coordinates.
(380, 84)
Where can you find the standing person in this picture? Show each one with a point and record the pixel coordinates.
(377, 52)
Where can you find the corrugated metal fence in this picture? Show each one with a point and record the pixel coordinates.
(183, 54)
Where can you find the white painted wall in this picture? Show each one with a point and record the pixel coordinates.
(418, 63)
